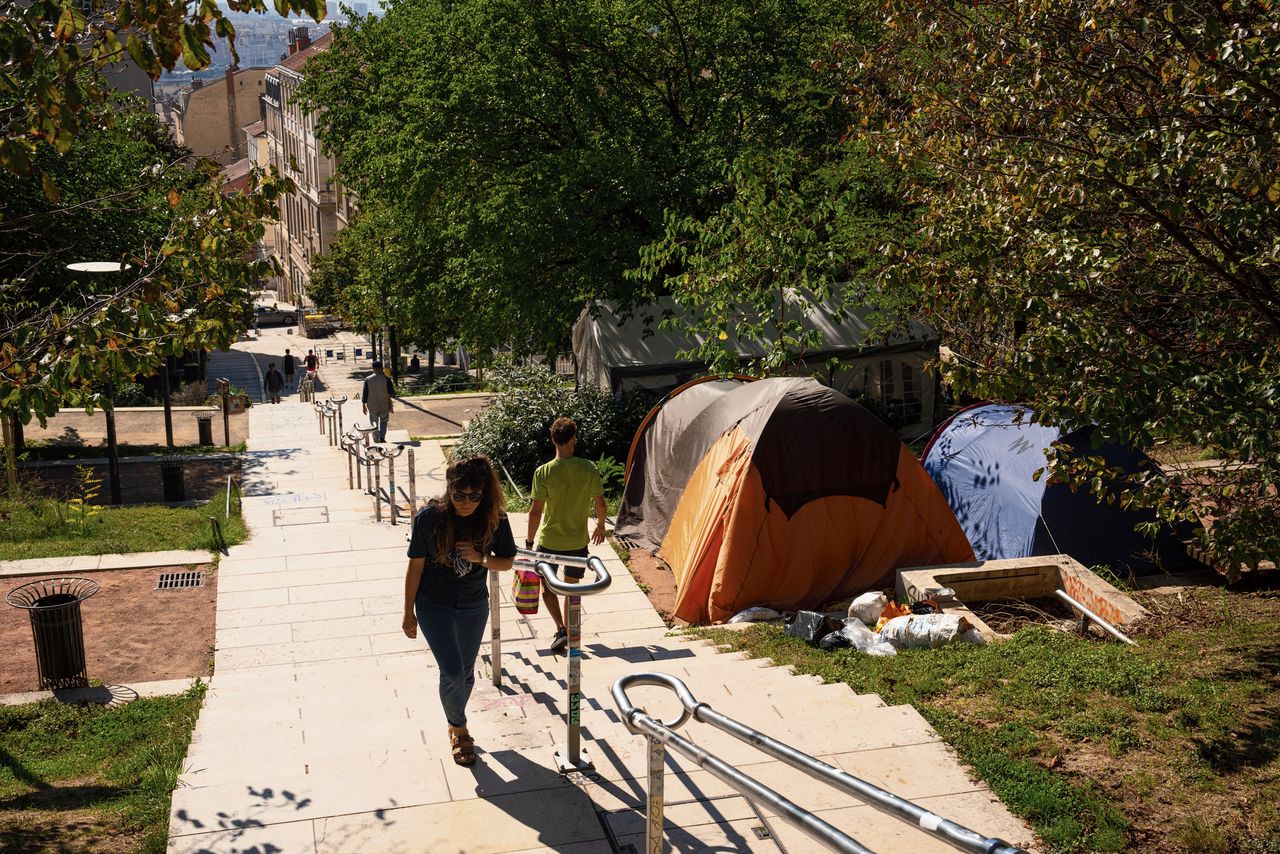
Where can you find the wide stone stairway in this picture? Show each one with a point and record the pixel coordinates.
(322, 729)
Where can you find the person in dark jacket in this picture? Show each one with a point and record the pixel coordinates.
(456, 538)
(272, 383)
(376, 400)
(290, 366)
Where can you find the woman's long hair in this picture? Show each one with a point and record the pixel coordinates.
(473, 474)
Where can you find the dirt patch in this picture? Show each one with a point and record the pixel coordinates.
(70, 831)
(656, 580)
(132, 631)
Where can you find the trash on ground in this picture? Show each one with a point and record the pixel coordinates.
(857, 636)
(755, 614)
(868, 606)
(918, 630)
(811, 627)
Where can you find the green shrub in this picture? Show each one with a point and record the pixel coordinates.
(191, 394)
(134, 394)
(514, 429)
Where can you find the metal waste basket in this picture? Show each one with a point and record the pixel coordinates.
(56, 628)
(205, 420)
(172, 477)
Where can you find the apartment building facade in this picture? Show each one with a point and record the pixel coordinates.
(209, 118)
(311, 216)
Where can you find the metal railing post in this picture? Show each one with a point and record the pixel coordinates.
(657, 800)
(377, 487)
(639, 723)
(413, 487)
(495, 628)
(348, 444)
(573, 758)
(390, 454)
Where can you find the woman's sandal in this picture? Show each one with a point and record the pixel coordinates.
(464, 747)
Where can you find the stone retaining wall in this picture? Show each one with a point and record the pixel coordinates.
(140, 478)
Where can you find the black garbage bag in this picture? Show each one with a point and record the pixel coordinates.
(811, 627)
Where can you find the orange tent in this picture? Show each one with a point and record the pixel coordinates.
(782, 493)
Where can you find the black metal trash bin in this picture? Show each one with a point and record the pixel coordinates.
(205, 421)
(56, 628)
(172, 477)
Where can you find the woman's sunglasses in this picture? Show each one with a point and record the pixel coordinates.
(473, 497)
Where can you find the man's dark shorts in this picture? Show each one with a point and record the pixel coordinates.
(571, 572)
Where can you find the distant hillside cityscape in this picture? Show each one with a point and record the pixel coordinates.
(261, 41)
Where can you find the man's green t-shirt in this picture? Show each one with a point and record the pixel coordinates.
(568, 487)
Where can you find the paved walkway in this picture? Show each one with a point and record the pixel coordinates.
(322, 731)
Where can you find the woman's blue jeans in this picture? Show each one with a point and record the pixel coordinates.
(454, 635)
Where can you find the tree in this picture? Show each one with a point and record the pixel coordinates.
(128, 196)
(1099, 235)
(50, 52)
(537, 146)
(381, 273)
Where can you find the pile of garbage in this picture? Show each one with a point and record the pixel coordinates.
(875, 625)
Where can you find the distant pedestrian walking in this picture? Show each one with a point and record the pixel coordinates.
(376, 400)
(272, 382)
(455, 539)
(290, 364)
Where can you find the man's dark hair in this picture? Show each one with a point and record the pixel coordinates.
(563, 429)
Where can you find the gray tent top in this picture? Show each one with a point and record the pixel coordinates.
(609, 349)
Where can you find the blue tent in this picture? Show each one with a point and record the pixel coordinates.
(984, 459)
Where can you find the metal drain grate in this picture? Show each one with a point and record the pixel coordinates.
(180, 580)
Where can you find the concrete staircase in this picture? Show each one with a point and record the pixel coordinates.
(322, 731)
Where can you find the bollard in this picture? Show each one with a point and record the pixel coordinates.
(413, 487)
(346, 445)
(377, 489)
(495, 628)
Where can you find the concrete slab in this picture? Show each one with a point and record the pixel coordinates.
(322, 729)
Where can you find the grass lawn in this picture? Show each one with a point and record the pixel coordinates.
(33, 527)
(89, 778)
(1172, 746)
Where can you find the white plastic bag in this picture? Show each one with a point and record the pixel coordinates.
(930, 630)
(755, 614)
(868, 606)
(856, 635)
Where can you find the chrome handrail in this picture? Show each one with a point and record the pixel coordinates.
(661, 733)
(573, 758)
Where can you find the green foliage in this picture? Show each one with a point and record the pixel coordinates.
(51, 90)
(452, 382)
(612, 473)
(125, 758)
(38, 527)
(135, 394)
(191, 394)
(88, 486)
(530, 149)
(1098, 226)
(128, 198)
(515, 428)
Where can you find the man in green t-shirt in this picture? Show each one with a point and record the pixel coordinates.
(562, 491)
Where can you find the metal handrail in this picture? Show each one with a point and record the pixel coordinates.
(573, 758)
(660, 733)
(232, 482)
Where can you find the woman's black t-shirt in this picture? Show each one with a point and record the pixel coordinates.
(459, 582)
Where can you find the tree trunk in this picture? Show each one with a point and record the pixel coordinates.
(395, 354)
